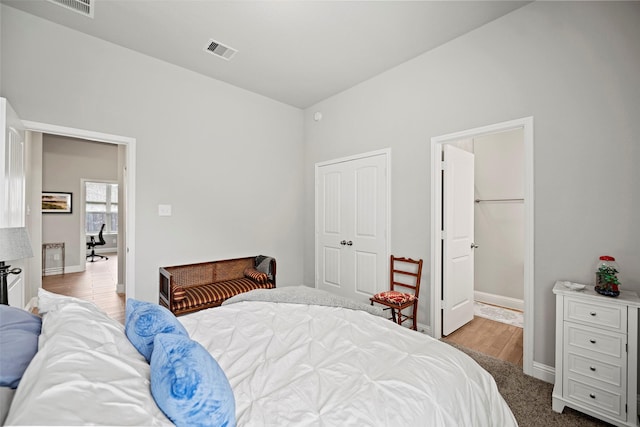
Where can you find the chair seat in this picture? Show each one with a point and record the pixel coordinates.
(394, 297)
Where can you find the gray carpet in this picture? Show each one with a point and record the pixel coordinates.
(529, 398)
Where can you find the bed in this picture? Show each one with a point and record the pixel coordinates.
(299, 357)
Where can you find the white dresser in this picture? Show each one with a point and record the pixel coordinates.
(597, 354)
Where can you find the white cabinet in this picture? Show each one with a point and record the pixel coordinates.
(12, 186)
(597, 354)
(12, 168)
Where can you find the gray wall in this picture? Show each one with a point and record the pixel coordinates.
(65, 162)
(227, 160)
(499, 226)
(574, 67)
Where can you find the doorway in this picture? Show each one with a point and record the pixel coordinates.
(127, 146)
(437, 218)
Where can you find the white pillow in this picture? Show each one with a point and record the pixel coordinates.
(48, 301)
(85, 372)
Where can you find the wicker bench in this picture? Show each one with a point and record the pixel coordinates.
(192, 287)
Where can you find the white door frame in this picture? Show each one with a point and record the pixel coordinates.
(130, 182)
(436, 219)
(387, 153)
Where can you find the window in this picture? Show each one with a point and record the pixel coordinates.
(101, 207)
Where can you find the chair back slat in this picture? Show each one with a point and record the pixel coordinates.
(406, 267)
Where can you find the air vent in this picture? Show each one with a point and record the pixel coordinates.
(220, 50)
(84, 7)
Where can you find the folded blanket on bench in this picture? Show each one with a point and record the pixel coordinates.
(263, 265)
(304, 295)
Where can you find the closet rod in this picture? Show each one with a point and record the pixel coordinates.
(499, 200)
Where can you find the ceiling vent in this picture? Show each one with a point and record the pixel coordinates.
(84, 7)
(220, 50)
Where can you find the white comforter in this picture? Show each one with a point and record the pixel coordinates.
(288, 365)
(299, 365)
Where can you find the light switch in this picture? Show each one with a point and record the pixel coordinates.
(164, 210)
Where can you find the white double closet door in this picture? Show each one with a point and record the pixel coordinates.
(351, 225)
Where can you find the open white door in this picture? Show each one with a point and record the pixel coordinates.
(457, 256)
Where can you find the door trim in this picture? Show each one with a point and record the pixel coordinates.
(526, 124)
(130, 182)
(387, 153)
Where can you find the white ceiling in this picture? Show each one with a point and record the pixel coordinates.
(296, 52)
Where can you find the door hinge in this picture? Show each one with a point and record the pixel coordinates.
(442, 305)
(443, 234)
(443, 164)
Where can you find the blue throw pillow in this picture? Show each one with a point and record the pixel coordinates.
(19, 332)
(189, 385)
(144, 320)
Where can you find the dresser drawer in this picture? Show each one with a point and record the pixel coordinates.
(596, 398)
(598, 315)
(608, 373)
(598, 341)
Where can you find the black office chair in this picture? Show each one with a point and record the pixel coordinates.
(92, 245)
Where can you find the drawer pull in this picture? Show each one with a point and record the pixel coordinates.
(591, 395)
(593, 313)
(593, 368)
(592, 341)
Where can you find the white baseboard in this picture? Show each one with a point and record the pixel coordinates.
(544, 372)
(424, 329)
(74, 269)
(68, 269)
(502, 301)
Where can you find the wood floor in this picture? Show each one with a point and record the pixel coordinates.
(496, 339)
(96, 284)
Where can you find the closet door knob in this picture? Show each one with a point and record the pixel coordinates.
(343, 242)
(349, 243)
(474, 246)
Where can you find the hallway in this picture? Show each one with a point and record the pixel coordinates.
(96, 284)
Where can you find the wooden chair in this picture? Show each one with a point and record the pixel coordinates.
(404, 273)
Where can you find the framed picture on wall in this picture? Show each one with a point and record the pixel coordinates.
(56, 202)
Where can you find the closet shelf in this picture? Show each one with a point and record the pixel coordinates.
(498, 200)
